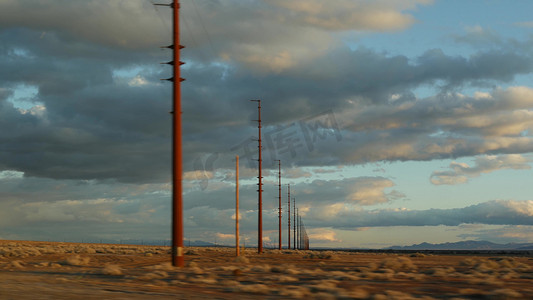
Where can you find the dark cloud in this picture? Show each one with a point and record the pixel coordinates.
(99, 124)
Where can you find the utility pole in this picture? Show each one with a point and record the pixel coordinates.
(237, 253)
(289, 216)
(279, 209)
(259, 185)
(298, 231)
(177, 148)
(294, 213)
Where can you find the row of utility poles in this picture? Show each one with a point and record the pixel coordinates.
(177, 161)
(301, 240)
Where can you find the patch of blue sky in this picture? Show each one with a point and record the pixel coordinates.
(413, 179)
(130, 72)
(24, 97)
(11, 174)
(382, 237)
(439, 25)
(21, 52)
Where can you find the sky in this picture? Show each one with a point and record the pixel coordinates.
(396, 122)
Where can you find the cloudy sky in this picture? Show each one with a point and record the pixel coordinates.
(396, 121)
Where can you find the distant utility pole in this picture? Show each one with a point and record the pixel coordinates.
(298, 244)
(279, 209)
(294, 201)
(289, 216)
(237, 253)
(259, 185)
(177, 149)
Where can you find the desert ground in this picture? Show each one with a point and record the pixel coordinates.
(46, 270)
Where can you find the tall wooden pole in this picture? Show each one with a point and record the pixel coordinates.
(177, 161)
(294, 213)
(279, 208)
(237, 205)
(259, 185)
(289, 215)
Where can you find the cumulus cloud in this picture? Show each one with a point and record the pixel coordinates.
(320, 235)
(351, 15)
(452, 125)
(106, 23)
(503, 234)
(496, 212)
(461, 172)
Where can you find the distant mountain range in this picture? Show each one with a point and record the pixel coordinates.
(466, 245)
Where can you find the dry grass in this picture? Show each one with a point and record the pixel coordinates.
(277, 274)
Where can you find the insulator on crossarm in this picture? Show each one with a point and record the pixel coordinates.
(171, 5)
(168, 79)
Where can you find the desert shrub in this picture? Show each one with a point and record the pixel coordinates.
(294, 291)
(192, 264)
(196, 270)
(192, 252)
(397, 263)
(227, 282)
(505, 294)
(286, 269)
(417, 255)
(307, 272)
(440, 272)
(320, 255)
(203, 279)
(472, 293)
(286, 278)
(76, 260)
(377, 276)
(112, 269)
(261, 268)
(325, 285)
(167, 266)
(154, 275)
(469, 262)
(242, 259)
(17, 264)
(357, 293)
(257, 288)
(339, 275)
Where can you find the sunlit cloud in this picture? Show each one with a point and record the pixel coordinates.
(461, 172)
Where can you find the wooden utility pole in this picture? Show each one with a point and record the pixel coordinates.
(259, 185)
(237, 205)
(177, 148)
(289, 215)
(294, 212)
(279, 208)
(177, 198)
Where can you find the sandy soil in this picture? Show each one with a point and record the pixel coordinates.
(43, 270)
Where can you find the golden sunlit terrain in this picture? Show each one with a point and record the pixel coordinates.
(47, 270)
